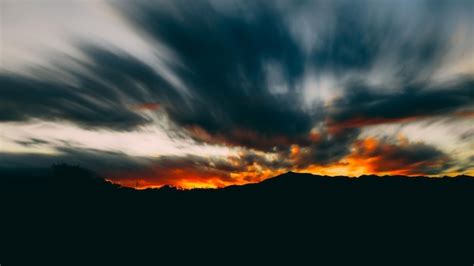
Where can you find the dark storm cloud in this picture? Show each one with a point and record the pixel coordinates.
(225, 60)
(32, 142)
(249, 158)
(227, 50)
(363, 106)
(358, 38)
(328, 148)
(101, 92)
(88, 158)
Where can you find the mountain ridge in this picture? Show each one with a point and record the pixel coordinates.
(70, 175)
(288, 214)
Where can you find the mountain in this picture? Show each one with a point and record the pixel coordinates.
(300, 217)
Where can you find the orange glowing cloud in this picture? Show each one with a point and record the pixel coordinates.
(372, 156)
(146, 106)
(367, 156)
(201, 173)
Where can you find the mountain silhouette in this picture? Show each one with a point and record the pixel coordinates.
(294, 218)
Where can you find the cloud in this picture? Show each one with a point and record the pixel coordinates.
(226, 60)
(186, 171)
(32, 142)
(51, 27)
(389, 156)
(243, 67)
(404, 158)
(147, 106)
(364, 156)
(98, 91)
(285, 84)
(362, 106)
(245, 64)
(194, 171)
(326, 148)
(88, 158)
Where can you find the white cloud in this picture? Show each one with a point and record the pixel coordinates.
(149, 141)
(445, 134)
(33, 31)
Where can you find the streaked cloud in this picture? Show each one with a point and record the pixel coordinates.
(212, 93)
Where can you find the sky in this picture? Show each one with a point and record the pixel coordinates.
(223, 92)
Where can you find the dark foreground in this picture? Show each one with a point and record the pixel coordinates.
(72, 217)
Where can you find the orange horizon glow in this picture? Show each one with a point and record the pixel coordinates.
(366, 158)
(329, 172)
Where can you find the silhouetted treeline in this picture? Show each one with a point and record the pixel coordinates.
(294, 219)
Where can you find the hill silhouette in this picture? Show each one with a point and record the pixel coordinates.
(300, 217)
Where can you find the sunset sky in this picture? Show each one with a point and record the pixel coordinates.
(222, 92)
